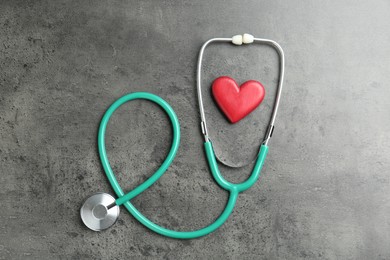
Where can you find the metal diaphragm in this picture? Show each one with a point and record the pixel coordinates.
(98, 212)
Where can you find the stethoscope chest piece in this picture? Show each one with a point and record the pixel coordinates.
(99, 211)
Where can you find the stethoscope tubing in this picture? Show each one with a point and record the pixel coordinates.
(124, 199)
(164, 166)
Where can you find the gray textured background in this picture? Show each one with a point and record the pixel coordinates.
(325, 188)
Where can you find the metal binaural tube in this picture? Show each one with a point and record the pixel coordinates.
(199, 84)
(280, 52)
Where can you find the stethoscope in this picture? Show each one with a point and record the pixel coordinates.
(101, 210)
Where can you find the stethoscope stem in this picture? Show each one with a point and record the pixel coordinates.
(110, 206)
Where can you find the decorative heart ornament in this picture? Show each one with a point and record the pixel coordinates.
(236, 102)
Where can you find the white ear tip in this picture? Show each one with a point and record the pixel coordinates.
(247, 38)
(237, 39)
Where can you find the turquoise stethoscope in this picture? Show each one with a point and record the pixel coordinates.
(101, 210)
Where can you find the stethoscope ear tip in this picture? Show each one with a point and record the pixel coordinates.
(99, 211)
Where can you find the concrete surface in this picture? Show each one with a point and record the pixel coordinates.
(324, 192)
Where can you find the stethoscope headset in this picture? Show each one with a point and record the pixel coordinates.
(101, 210)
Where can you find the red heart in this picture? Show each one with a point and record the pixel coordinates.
(234, 101)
